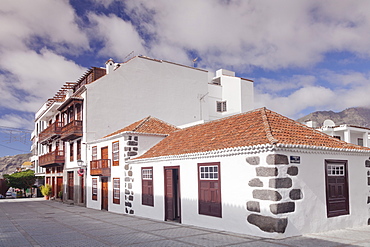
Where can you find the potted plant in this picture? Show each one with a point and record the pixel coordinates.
(46, 191)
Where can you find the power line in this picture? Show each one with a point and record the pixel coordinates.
(14, 148)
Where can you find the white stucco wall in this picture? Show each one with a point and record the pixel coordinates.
(310, 213)
(143, 87)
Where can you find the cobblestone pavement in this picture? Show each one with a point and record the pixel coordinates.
(37, 222)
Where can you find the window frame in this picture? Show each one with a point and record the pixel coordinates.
(208, 187)
(94, 153)
(94, 189)
(71, 151)
(116, 190)
(147, 186)
(221, 106)
(115, 153)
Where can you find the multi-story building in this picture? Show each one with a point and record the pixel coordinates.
(105, 99)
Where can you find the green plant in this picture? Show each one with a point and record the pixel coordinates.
(46, 190)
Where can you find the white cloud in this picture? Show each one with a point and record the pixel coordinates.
(350, 90)
(22, 121)
(120, 37)
(33, 77)
(267, 34)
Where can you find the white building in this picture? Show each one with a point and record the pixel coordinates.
(349, 133)
(256, 173)
(104, 99)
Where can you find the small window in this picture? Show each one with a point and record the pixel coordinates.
(78, 149)
(115, 153)
(338, 137)
(95, 189)
(94, 151)
(221, 106)
(147, 186)
(360, 141)
(116, 190)
(368, 177)
(335, 170)
(71, 151)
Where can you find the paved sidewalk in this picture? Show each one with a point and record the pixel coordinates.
(36, 222)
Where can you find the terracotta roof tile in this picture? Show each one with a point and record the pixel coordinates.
(260, 126)
(150, 125)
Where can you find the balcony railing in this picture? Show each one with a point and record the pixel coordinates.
(100, 167)
(52, 131)
(72, 130)
(52, 158)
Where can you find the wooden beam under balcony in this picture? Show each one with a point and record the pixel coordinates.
(52, 132)
(55, 158)
(100, 167)
(72, 130)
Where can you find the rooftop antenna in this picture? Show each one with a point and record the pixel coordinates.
(129, 56)
(195, 61)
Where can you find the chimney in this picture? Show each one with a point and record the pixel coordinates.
(109, 65)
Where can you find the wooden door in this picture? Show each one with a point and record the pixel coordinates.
(53, 187)
(172, 194)
(337, 198)
(82, 191)
(70, 186)
(104, 193)
(59, 184)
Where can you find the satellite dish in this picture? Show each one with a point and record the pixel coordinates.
(329, 123)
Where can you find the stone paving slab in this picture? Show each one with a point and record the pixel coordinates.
(36, 222)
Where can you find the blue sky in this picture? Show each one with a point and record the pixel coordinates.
(304, 56)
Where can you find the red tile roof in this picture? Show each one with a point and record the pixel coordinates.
(150, 125)
(260, 126)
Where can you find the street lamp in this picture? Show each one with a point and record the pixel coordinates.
(81, 164)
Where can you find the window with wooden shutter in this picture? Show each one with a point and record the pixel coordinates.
(115, 153)
(116, 190)
(94, 189)
(209, 189)
(147, 186)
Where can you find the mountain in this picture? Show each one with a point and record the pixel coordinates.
(8, 164)
(359, 116)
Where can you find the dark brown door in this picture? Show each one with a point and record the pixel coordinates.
(337, 202)
(59, 184)
(70, 186)
(53, 187)
(104, 193)
(172, 194)
(82, 187)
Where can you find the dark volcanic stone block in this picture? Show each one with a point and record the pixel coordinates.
(281, 208)
(295, 194)
(280, 183)
(255, 160)
(253, 206)
(292, 171)
(270, 195)
(277, 159)
(268, 224)
(266, 171)
(367, 163)
(255, 182)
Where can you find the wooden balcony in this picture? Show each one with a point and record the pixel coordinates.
(54, 158)
(72, 130)
(51, 132)
(100, 167)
